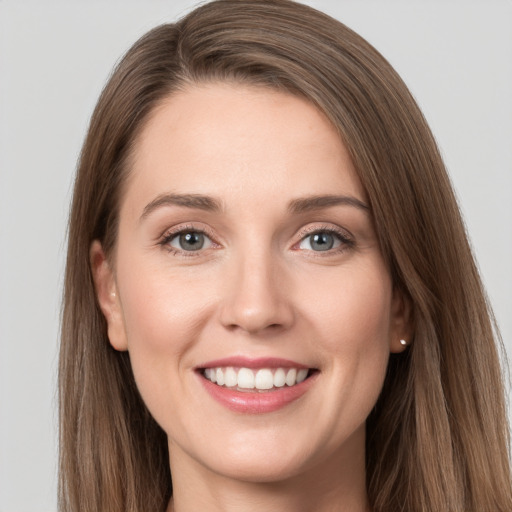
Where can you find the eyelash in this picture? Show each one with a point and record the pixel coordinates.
(171, 235)
(346, 242)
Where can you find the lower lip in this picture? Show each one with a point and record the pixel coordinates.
(255, 402)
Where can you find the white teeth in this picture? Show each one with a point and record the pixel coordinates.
(220, 376)
(279, 378)
(210, 374)
(245, 378)
(301, 375)
(262, 379)
(291, 377)
(230, 378)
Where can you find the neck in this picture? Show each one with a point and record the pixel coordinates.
(333, 485)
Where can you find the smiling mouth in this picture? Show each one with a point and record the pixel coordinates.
(256, 379)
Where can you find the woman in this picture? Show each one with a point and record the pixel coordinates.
(269, 295)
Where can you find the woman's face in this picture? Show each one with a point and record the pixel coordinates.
(247, 256)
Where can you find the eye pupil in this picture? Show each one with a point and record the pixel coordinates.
(322, 241)
(192, 241)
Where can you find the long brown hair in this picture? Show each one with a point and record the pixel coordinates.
(437, 439)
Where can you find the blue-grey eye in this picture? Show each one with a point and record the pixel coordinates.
(320, 241)
(190, 241)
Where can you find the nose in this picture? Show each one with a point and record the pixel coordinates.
(258, 298)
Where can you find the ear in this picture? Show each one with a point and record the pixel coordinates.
(401, 328)
(108, 297)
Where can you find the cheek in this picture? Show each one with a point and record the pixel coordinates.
(161, 306)
(352, 319)
(164, 315)
(351, 307)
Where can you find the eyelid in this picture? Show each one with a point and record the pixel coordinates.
(345, 237)
(321, 228)
(171, 233)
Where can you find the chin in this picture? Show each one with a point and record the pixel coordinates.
(261, 468)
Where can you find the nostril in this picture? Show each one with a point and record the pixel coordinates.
(253, 329)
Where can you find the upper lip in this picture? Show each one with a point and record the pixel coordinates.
(247, 362)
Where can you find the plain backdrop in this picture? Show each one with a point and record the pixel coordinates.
(456, 56)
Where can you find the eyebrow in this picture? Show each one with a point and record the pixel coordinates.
(195, 201)
(210, 204)
(312, 203)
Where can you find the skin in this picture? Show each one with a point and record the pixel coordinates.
(258, 289)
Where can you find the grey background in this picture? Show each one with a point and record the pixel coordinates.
(456, 56)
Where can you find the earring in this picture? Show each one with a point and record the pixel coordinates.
(403, 343)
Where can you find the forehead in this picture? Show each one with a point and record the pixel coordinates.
(218, 139)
